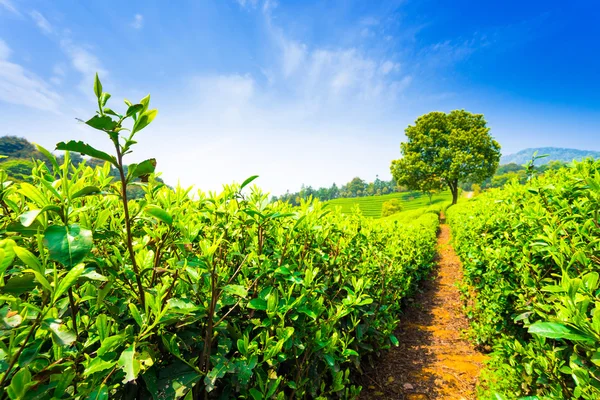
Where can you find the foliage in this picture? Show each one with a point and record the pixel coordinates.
(530, 255)
(17, 169)
(444, 150)
(19, 153)
(390, 207)
(178, 296)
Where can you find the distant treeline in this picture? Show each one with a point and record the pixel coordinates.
(509, 172)
(357, 187)
(21, 154)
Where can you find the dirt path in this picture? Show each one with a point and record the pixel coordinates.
(432, 361)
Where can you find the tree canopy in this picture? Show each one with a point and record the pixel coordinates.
(445, 149)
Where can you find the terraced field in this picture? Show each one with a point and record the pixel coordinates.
(371, 206)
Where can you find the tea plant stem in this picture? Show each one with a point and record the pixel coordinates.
(18, 353)
(168, 295)
(73, 312)
(128, 226)
(210, 324)
(234, 306)
(299, 373)
(238, 269)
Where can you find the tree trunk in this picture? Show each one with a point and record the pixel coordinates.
(454, 190)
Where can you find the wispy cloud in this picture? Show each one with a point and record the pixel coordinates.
(7, 4)
(20, 86)
(138, 21)
(5, 51)
(84, 61)
(325, 75)
(81, 57)
(41, 22)
(58, 74)
(247, 3)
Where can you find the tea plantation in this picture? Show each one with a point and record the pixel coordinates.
(371, 206)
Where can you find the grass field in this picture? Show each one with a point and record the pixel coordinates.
(371, 206)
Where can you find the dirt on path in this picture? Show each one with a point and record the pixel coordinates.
(432, 361)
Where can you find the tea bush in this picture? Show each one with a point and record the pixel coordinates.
(181, 295)
(531, 262)
(390, 207)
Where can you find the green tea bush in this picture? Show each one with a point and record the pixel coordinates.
(189, 295)
(390, 207)
(531, 262)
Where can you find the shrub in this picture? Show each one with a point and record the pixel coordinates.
(390, 207)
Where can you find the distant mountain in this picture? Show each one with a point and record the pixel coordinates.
(554, 154)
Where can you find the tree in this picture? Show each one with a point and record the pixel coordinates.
(445, 149)
(356, 186)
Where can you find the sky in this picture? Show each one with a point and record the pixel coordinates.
(299, 92)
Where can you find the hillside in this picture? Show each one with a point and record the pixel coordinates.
(554, 154)
(371, 206)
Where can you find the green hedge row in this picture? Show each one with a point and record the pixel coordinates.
(230, 296)
(531, 257)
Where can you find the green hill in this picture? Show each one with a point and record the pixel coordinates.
(554, 154)
(371, 206)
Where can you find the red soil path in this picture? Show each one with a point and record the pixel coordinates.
(433, 361)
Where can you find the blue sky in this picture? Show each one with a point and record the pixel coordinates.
(297, 92)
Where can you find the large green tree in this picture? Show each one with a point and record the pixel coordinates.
(446, 149)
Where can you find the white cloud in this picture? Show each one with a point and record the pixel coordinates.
(322, 76)
(9, 6)
(21, 87)
(59, 70)
(41, 22)
(294, 55)
(86, 63)
(388, 66)
(5, 51)
(138, 21)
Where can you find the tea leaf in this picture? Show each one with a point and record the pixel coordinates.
(104, 123)
(159, 214)
(86, 149)
(144, 120)
(60, 332)
(129, 364)
(554, 330)
(68, 245)
(97, 86)
(68, 280)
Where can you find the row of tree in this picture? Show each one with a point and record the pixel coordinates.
(357, 187)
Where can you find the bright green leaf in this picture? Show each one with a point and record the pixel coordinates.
(554, 330)
(68, 245)
(159, 214)
(86, 149)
